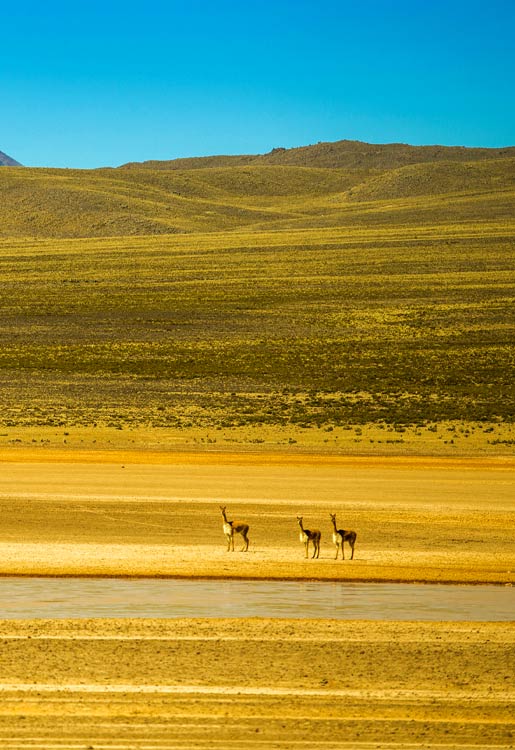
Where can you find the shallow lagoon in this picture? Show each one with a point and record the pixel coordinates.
(27, 597)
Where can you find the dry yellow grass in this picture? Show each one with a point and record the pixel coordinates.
(402, 327)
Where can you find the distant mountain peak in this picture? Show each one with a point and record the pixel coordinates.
(7, 161)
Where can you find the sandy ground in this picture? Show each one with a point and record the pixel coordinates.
(256, 683)
(157, 514)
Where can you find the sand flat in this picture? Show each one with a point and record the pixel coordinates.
(260, 683)
(417, 519)
(257, 683)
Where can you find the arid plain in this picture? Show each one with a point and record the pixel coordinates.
(269, 683)
(314, 330)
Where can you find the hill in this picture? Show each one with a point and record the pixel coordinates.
(144, 201)
(362, 306)
(338, 155)
(6, 161)
(438, 178)
(98, 203)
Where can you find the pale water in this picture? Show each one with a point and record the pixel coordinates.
(110, 597)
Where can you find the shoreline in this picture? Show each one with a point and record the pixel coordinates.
(253, 578)
(151, 562)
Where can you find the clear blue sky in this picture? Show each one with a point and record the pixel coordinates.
(102, 82)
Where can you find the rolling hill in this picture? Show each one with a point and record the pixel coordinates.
(145, 201)
(230, 300)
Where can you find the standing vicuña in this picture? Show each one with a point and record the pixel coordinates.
(342, 535)
(307, 536)
(230, 527)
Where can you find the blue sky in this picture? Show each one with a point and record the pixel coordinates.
(89, 84)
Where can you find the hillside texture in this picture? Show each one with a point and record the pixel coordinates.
(219, 297)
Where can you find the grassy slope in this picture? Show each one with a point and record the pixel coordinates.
(104, 203)
(282, 296)
(99, 203)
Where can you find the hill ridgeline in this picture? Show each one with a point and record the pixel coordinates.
(338, 155)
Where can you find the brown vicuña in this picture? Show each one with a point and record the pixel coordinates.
(307, 536)
(340, 536)
(232, 527)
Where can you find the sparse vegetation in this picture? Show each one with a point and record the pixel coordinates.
(303, 307)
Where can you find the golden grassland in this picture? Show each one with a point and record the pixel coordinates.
(320, 331)
(364, 308)
(449, 439)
